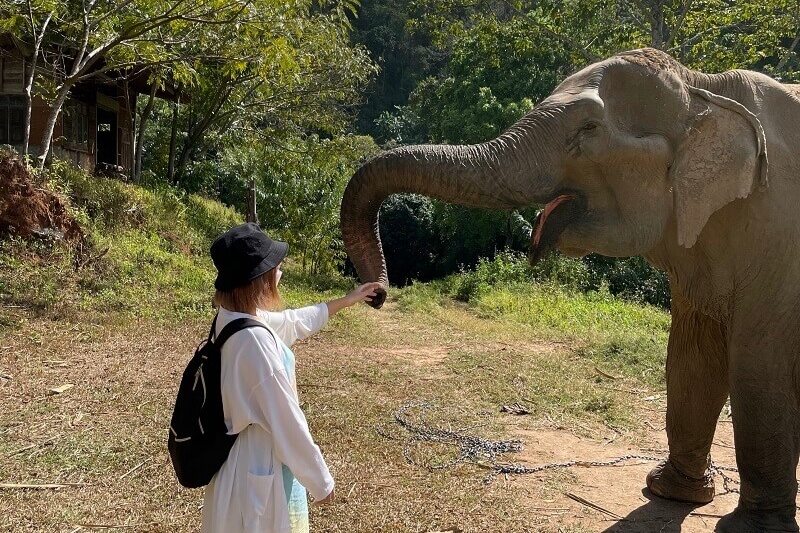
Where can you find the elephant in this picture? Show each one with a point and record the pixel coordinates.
(698, 173)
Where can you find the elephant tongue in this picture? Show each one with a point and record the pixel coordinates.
(550, 222)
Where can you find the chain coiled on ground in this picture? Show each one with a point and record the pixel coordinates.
(485, 453)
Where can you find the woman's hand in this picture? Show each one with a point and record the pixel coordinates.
(363, 293)
(326, 500)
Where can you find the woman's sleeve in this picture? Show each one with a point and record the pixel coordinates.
(293, 445)
(296, 324)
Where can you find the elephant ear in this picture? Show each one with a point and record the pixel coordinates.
(723, 157)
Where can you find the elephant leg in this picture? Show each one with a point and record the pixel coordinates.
(697, 387)
(766, 426)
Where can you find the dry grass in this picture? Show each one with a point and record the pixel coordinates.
(104, 439)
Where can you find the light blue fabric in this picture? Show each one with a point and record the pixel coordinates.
(295, 492)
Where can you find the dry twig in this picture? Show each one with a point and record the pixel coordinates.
(106, 526)
(594, 506)
(605, 374)
(38, 485)
(31, 446)
(134, 469)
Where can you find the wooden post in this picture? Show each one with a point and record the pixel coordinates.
(252, 216)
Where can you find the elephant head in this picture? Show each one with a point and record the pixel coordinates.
(622, 153)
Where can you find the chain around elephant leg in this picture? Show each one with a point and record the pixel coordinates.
(666, 481)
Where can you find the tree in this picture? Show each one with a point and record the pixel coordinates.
(30, 19)
(290, 66)
(404, 57)
(95, 38)
(300, 181)
(411, 238)
(710, 35)
(497, 71)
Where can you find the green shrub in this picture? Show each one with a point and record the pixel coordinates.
(505, 268)
(210, 218)
(630, 278)
(572, 274)
(419, 297)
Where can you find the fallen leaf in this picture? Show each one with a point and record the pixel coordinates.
(515, 408)
(62, 388)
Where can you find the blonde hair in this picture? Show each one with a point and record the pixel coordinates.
(259, 293)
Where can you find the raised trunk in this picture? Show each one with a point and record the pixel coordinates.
(506, 173)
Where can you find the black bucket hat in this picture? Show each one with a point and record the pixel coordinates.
(243, 253)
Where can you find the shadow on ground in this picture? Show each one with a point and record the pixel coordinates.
(657, 515)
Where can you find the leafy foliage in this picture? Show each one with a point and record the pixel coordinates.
(405, 57)
(495, 75)
(291, 68)
(299, 183)
(410, 237)
(710, 35)
(631, 279)
(300, 195)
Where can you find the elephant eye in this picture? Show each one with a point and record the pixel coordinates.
(589, 126)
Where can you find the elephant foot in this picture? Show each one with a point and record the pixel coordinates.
(668, 482)
(741, 521)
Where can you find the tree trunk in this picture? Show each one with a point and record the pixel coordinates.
(180, 165)
(47, 136)
(252, 215)
(143, 119)
(30, 76)
(173, 140)
(27, 124)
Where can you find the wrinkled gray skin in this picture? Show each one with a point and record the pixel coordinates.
(636, 155)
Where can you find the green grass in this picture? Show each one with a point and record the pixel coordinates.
(631, 338)
(623, 337)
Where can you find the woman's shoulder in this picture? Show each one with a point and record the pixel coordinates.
(225, 317)
(256, 343)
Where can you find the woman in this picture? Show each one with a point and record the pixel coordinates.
(261, 487)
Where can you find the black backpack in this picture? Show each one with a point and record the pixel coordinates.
(198, 442)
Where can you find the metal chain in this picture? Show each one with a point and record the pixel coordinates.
(484, 452)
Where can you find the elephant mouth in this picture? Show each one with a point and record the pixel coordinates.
(551, 221)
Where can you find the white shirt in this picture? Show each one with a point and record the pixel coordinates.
(260, 403)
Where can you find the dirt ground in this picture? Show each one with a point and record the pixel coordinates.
(117, 476)
(27, 209)
(615, 497)
(621, 489)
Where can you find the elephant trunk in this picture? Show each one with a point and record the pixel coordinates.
(494, 174)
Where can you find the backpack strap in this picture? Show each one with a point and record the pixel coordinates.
(232, 327)
(213, 329)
